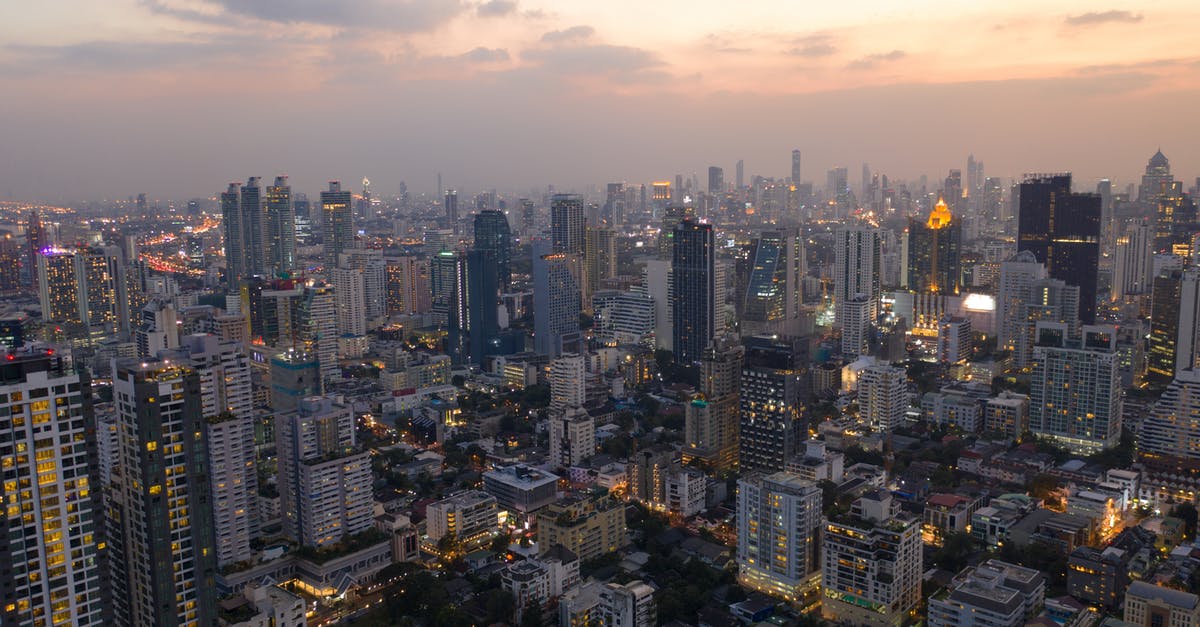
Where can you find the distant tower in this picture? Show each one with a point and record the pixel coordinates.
(857, 257)
(556, 300)
(35, 240)
(716, 180)
(933, 252)
(694, 275)
(567, 223)
(741, 174)
(337, 222)
(451, 207)
(281, 228)
(253, 227)
(492, 234)
(795, 166)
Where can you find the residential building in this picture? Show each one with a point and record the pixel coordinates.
(993, 594)
(779, 522)
(1075, 391)
(774, 382)
(469, 518)
(882, 397)
(628, 605)
(1148, 605)
(587, 527)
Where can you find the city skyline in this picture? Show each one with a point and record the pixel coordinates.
(405, 90)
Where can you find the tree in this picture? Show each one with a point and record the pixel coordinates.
(1187, 513)
(531, 616)
(955, 552)
(500, 606)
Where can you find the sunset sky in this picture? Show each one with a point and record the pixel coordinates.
(177, 97)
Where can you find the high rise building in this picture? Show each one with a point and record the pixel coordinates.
(882, 397)
(556, 301)
(1156, 179)
(236, 263)
(483, 295)
(36, 239)
(408, 289)
(492, 234)
(447, 269)
(159, 528)
(1062, 230)
(871, 563)
(295, 375)
(572, 437)
(280, 242)
(672, 215)
(371, 263)
(528, 216)
(567, 223)
(857, 257)
(774, 290)
(778, 530)
(450, 204)
(856, 325)
(51, 489)
(934, 247)
(1075, 390)
(317, 329)
(1165, 329)
(710, 432)
(716, 180)
(773, 386)
(1133, 270)
(337, 222)
(81, 290)
(796, 167)
(1170, 435)
(694, 307)
(10, 263)
(599, 258)
(568, 382)
(227, 404)
(324, 478)
(253, 226)
(350, 292)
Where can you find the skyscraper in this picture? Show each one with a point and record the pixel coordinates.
(740, 174)
(280, 248)
(51, 490)
(253, 227)
(483, 294)
(671, 217)
(716, 180)
(1156, 179)
(773, 296)
(350, 292)
(407, 280)
(492, 234)
(599, 257)
(317, 329)
(1170, 435)
(36, 239)
(81, 290)
(450, 204)
(10, 263)
(710, 432)
(1062, 230)
(159, 529)
(567, 224)
(556, 301)
(1133, 268)
(773, 386)
(694, 275)
(779, 528)
(1164, 325)
(796, 166)
(337, 222)
(236, 265)
(615, 204)
(857, 257)
(934, 246)
(882, 397)
(1075, 390)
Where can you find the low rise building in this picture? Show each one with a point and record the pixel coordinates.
(994, 594)
(587, 527)
(1148, 605)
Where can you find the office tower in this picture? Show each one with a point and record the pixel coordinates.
(159, 530)
(568, 379)
(1150, 605)
(556, 301)
(991, 202)
(694, 305)
(1051, 300)
(295, 375)
(372, 265)
(349, 289)
(856, 325)
(301, 207)
(1170, 435)
(482, 299)
(599, 257)
(671, 217)
(1133, 268)
(778, 530)
(236, 263)
(710, 432)
(280, 242)
(408, 289)
(567, 223)
(773, 386)
(660, 194)
(934, 246)
(716, 180)
(623, 318)
(1165, 328)
(253, 226)
(992, 594)
(882, 397)
(1075, 390)
(796, 166)
(227, 405)
(467, 517)
(1062, 230)
(324, 478)
(51, 490)
(493, 235)
(528, 216)
(615, 204)
(572, 437)
(450, 204)
(774, 291)
(36, 239)
(871, 563)
(10, 263)
(1187, 345)
(1156, 180)
(658, 284)
(857, 256)
(446, 271)
(337, 222)
(317, 329)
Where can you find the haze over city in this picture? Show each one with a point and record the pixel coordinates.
(169, 96)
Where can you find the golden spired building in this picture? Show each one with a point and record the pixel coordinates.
(934, 267)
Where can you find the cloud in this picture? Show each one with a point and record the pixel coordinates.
(569, 34)
(496, 8)
(486, 55)
(623, 64)
(410, 16)
(873, 60)
(1095, 18)
(813, 46)
(128, 56)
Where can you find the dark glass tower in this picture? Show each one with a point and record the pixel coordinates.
(337, 222)
(235, 242)
(772, 388)
(693, 273)
(1062, 230)
(483, 324)
(567, 224)
(281, 227)
(934, 248)
(771, 301)
(492, 234)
